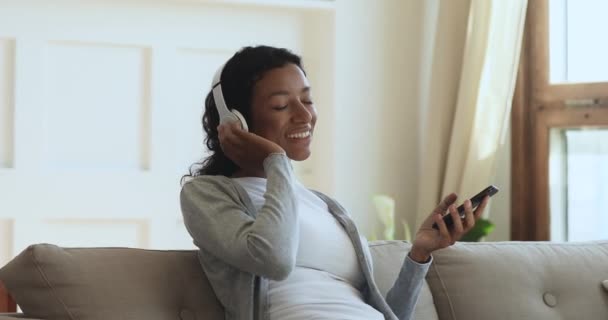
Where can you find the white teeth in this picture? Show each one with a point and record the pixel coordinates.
(300, 135)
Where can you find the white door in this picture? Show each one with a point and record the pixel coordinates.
(100, 106)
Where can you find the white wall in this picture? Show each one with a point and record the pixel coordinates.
(367, 140)
(377, 66)
(385, 51)
(100, 105)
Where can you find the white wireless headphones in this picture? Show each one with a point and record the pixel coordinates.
(226, 115)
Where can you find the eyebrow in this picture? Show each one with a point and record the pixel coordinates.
(285, 92)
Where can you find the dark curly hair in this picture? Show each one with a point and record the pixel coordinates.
(239, 76)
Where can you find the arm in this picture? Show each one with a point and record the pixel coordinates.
(217, 222)
(404, 294)
(402, 297)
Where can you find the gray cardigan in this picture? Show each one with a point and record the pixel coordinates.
(241, 248)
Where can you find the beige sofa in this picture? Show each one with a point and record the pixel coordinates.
(505, 280)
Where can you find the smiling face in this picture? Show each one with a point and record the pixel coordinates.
(282, 110)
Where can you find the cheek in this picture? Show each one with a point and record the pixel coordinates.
(269, 129)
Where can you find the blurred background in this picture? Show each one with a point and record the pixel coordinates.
(100, 107)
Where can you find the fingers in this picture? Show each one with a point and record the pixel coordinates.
(238, 135)
(481, 207)
(246, 149)
(447, 201)
(236, 129)
(230, 127)
(229, 141)
(443, 229)
(221, 134)
(457, 228)
(469, 217)
(448, 236)
(440, 209)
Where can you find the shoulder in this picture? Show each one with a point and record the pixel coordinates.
(208, 188)
(207, 181)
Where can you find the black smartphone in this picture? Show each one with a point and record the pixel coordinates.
(475, 202)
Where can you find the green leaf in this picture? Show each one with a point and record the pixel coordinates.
(482, 228)
(385, 210)
(406, 230)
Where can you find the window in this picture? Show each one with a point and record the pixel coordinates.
(576, 52)
(578, 184)
(560, 124)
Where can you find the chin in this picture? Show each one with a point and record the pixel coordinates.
(299, 156)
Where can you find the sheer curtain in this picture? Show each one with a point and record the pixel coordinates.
(466, 102)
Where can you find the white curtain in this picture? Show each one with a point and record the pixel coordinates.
(466, 106)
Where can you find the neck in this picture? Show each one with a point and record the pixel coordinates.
(241, 173)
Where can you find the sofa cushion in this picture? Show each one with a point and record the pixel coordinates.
(51, 282)
(520, 280)
(388, 258)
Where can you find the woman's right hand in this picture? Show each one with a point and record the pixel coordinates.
(247, 150)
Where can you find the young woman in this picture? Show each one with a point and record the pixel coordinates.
(271, 248)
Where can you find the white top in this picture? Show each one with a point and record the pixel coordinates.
(327, 279)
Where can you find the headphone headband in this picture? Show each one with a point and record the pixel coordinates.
(218, 95)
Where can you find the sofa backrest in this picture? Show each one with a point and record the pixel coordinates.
(498, 281)
(520, 280)
(388, 258)
(50, 282)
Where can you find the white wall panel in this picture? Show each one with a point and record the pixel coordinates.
(28, 100)
(108, 99)
(96, 106)
(173, 231)
(195, 69)
(7, 67)
(79, 232)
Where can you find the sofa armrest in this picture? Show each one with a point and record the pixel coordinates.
(14, 316)
(7, 304)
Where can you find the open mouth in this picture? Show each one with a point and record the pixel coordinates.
(299, 135)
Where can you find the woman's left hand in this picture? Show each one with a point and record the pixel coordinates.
(429, 239)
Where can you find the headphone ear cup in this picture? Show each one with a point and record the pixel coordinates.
(228, 118)
(241, 119)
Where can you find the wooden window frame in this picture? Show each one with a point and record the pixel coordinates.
(539, 106)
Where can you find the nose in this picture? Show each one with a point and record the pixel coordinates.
(302, 114)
